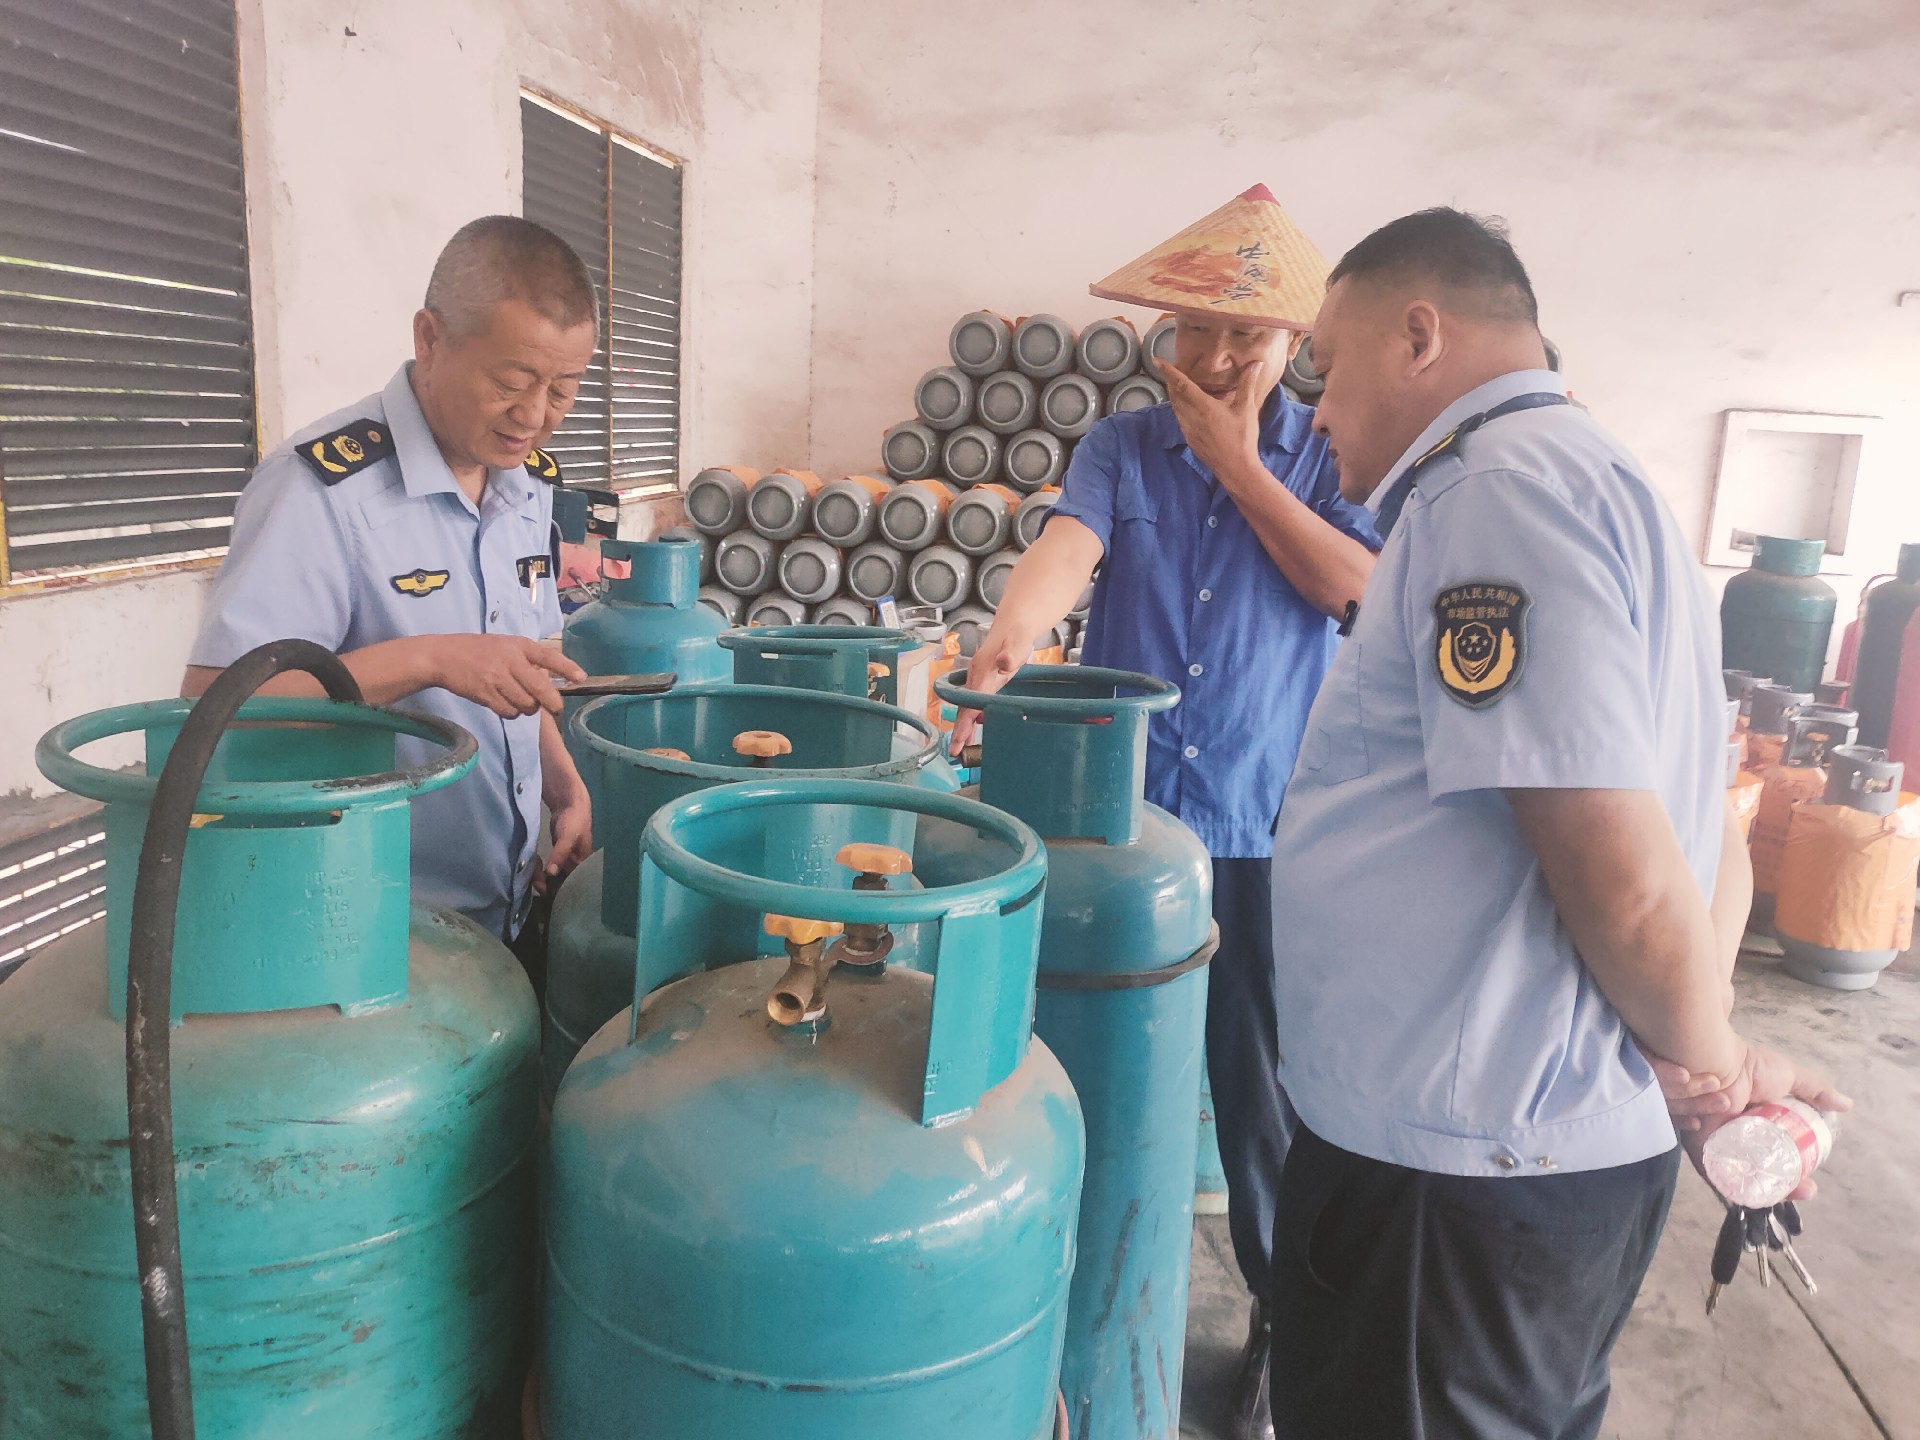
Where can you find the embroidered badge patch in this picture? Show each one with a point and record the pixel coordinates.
(336, 456)
(543, 466)
(532, 568)
(1480, 639)
(419, 582)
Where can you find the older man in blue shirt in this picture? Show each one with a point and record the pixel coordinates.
(1517, 763)
(1224, 550)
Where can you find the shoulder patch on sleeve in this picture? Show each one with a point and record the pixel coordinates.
(543, 466)
(347, 450)
(1480, 639)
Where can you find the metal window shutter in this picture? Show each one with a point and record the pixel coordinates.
(621, 209)
(643, 317)
(126, 356)
(52, 881)
(564, 187)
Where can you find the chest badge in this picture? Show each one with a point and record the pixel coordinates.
(419, 583)
(1480, 639)
(533, 569)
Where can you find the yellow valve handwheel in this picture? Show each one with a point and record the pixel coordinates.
(801, 931)
(869, 859)
(762, 744)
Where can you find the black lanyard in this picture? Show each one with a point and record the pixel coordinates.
(1396, 500)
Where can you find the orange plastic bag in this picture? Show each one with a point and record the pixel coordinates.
(1782, 787)
(1764, 751)
(1847, 880)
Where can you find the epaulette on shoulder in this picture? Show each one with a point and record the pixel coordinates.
(347, 450)
(543, 466)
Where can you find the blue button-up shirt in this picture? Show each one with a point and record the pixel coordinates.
(396, 549)
(1187, 593)
(1535, 620)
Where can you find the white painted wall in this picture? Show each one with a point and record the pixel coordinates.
(1718, 203)
(375, 129)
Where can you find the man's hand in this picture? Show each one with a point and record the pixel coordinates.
(508, 674)
(571, 818)
(996, 661)
(1224, 435)
(1701, 1104)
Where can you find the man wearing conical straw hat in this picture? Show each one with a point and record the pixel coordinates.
(1226, 558)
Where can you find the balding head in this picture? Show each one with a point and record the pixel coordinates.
(1418, 314)
(503, 257)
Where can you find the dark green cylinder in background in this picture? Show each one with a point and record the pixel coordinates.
(1883, 633)
(1776, 618)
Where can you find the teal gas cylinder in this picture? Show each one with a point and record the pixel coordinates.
(795, 1199)
(1209, 1173)
(840, 659)
(1776, 618)
(649, 749)
(354, 1092)
(1122, 1002)
(649, 620)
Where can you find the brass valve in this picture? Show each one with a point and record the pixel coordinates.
(866, 947)
(761, 746)
(801, 993)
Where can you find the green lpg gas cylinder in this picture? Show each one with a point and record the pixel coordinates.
(354, 1095)
(649, 749)
(842, 659)
(1775, 619)
(647, 618)
(1122, 1001)
(801, 1193)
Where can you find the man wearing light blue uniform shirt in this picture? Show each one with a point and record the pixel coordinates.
(1490, 880)
(412, 533)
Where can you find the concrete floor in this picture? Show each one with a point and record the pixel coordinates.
(1770, 1365)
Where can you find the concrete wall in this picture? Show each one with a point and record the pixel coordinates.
(374, 130)
(1717, 203)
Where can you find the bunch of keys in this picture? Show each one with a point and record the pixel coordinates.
(1762, 1234)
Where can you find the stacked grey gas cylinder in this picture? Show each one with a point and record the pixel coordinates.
(965, 488)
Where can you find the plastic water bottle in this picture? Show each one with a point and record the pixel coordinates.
(944, 398)
(911, 451)
(1109, 351)
(1043, 346)
(981, 342)
(1035, 458)
(1007, 402)
(971, 455)
(1759, 1158)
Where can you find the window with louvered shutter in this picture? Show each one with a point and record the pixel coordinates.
(618, 204)
(126, 340)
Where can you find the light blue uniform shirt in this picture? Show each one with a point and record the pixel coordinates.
(1535, 621)
(1187, 593)
(388, 547)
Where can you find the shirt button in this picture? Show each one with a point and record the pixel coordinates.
(1505, 1162)
(1213, 522)
(1191, 752)
(520, 787)
(496, 614)
(1206, 594)
(1196, 669)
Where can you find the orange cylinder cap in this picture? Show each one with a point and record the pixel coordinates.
(762, 744)
(870, 859)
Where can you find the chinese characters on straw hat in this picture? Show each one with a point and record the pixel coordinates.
(1246, 260)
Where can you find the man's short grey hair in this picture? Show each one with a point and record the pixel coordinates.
(503, 257)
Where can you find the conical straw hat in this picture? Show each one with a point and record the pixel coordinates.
(1246, 259)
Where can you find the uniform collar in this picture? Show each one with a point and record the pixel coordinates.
(1282, 426)
(423, 469)
(1496, 391)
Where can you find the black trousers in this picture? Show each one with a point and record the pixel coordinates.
(1251, 1113)
(1413, 1306)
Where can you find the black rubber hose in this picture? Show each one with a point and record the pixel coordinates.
(156, 899)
